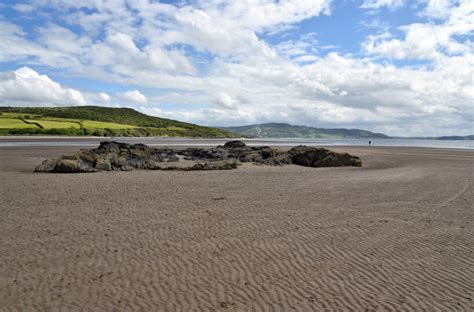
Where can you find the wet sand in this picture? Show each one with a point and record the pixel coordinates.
(397, 234)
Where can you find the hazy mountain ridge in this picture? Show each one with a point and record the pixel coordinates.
(441, 138)
(284, 130)
(456, 137)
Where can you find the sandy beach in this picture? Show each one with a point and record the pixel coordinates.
(396, 234)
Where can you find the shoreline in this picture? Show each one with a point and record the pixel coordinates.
(58, 141)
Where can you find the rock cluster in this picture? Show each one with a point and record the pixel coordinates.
(121, 156)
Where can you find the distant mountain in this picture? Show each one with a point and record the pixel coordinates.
(283, 130)
(446, 137)
(456, 137)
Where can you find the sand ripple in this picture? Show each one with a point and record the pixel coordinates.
(396, 235)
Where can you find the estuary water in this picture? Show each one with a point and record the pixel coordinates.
(13, 141)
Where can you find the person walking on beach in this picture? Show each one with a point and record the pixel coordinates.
(370, 143)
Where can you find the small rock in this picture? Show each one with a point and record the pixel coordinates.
(126, 168)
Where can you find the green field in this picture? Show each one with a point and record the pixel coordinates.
(51, 124)
(12, 123)
(173, 128)
(96, 121)
(55, 119)
(91, 124)
(24, 121)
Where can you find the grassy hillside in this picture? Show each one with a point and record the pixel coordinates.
(282, 130)
(98, 121)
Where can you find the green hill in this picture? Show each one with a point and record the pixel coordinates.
(98, 121)
(283, 130)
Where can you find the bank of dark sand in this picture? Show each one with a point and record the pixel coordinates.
(395, 234)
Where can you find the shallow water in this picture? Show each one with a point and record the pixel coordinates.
(286, 142)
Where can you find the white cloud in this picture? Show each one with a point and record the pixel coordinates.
(439, 9)
(99, 99)
(225, 101)
(306, 58)
(259, 15)
(123, 42)
(377, 4)
(169, 61)
(23, 8)
(134, 96)
(104, 97)
(429, 41)
(355, 92)
(25, 86)
(61, 39)
(208, 59)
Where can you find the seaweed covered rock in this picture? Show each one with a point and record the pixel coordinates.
(207, 165)
(321, 157)
(234, 144)
(64, 166)
(260, 155)
(112, 156)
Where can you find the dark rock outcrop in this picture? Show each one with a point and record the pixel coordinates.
(239, 151)
(234, 144)
(321, 157)
(125, 157)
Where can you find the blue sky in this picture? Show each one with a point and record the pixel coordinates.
(395, 66)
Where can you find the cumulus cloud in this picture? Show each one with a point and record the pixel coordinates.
(439, 9)
(429, 40)
(211, 63)
(225, 101)
(259, 15)
(377, 4)
(134, 96)
(26, 86)
(104, 97)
